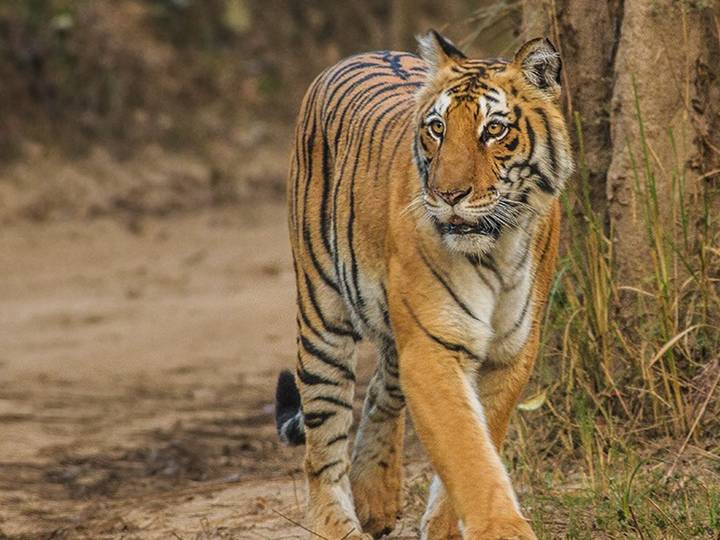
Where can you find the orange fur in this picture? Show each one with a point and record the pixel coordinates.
(438, 243)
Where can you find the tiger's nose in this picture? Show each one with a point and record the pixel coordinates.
(453, 196)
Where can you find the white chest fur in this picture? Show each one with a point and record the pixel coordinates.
(499, 290)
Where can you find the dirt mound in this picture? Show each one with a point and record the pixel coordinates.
(153, 181)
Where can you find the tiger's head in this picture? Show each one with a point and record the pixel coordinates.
(491, 145)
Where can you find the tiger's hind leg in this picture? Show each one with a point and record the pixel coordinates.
(376, 474)
(326, 381)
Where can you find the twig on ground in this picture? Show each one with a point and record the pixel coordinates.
(348, 533)
(303, 526)
(670, 520)
(295, 493)
(636, 523)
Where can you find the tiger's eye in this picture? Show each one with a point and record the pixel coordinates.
(437, 128)
(495, 129)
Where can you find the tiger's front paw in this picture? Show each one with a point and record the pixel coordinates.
(330, 521)
(330, 510)
(499, 529)
(377, 493)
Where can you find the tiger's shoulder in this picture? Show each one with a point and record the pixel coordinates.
(364, 79)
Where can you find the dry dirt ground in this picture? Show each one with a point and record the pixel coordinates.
(137, 366)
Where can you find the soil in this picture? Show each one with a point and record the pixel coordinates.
(137, 365)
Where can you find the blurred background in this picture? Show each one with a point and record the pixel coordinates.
(178, 90)
(148, 298)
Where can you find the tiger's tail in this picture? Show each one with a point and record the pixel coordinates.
(288, 410)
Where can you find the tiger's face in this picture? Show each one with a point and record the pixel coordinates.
(491, 144)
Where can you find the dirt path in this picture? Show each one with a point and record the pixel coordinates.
(136, 378)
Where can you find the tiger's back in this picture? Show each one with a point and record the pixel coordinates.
(354, 128)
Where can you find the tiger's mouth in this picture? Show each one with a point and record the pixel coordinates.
(486, 226)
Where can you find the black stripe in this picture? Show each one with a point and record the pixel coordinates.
(335, 85)
(384, 306)
(531, 137)
(350, 66)
(488, 262)
(454, 347)
(325, 467)
(550, 141)
(368, 115)
(475, 262)
(523, 315)
(333, 400)
(331, 328)
(401, 139)
(392, 371)
(398, 108)
(364, 97)
(446, 285)
(518, 113)
(359, 124)
(389, 410)
(523, 259)
(324, 198)
(314, 420)
(308, 323)
(342, 437)
(311, 379)
(391, 362)
(321, 355)
(305, 226)
(339, 267)
(542, 181)
(300, 147)
(353, 106)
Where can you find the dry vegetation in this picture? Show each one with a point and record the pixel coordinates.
(625, 441)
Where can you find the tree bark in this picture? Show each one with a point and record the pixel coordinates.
(664, 52)
(403, 25)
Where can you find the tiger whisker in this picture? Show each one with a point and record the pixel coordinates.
(519, 204)
(412, 205)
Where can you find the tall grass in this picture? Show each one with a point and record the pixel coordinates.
(633, 351)
(631, 368)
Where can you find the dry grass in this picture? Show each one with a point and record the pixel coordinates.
(625, 444)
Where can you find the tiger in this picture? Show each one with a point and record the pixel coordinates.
(424, 212)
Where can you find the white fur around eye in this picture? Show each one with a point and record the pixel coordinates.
(493, 107)
(442, 103)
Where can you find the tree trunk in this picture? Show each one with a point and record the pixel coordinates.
(664, 53)
(403, 25)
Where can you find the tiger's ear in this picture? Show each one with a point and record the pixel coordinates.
(540, 62)
(438, 51)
